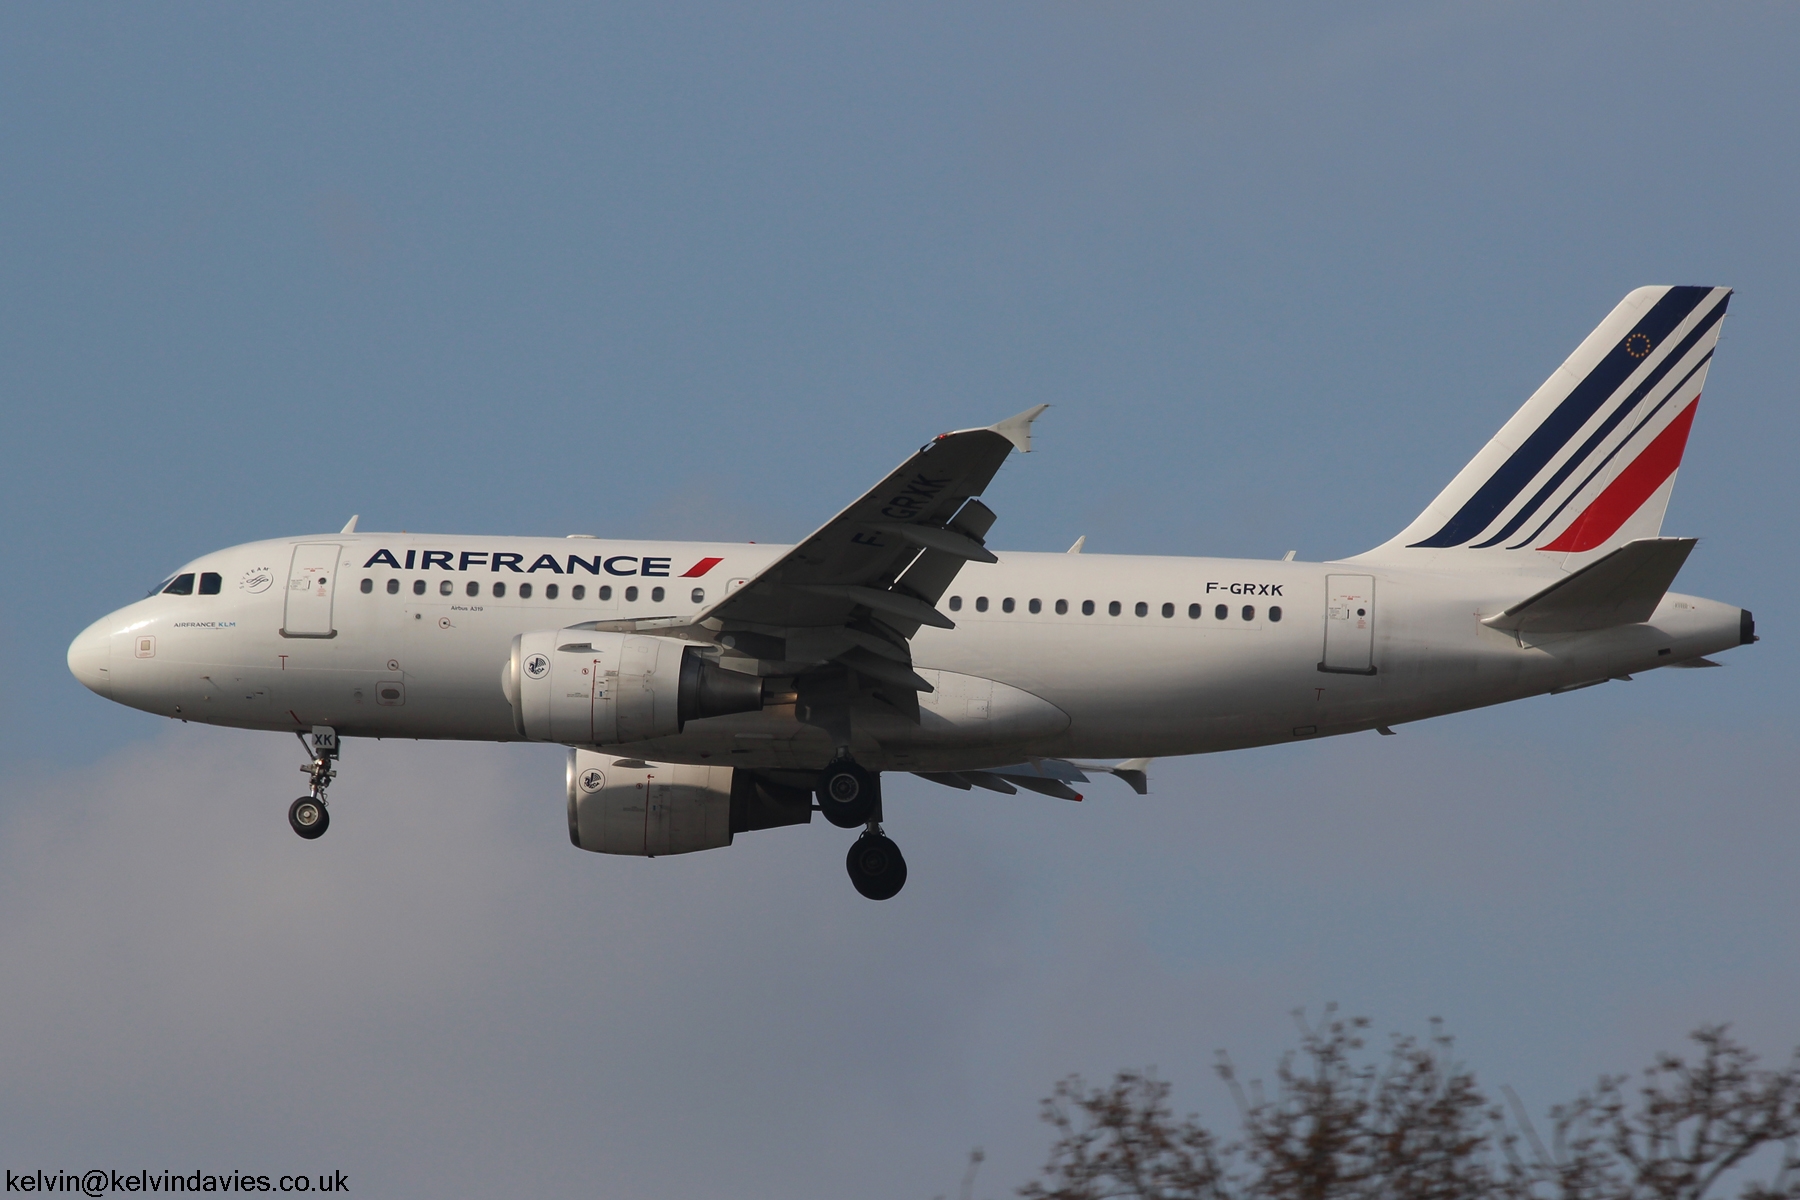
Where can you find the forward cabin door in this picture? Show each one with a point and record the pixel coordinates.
(1349, 624)
(312, 576)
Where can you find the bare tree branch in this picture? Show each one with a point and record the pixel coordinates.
(1413, 1125)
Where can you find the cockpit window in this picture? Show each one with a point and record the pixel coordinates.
(209, 583)
(157, 590)
(181, 585)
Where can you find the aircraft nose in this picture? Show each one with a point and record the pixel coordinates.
(90, 659)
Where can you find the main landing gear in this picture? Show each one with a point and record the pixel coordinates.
(308, 815)
(850, 796)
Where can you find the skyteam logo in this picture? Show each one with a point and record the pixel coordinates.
(1602, 445)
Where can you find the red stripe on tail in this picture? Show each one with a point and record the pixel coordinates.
(1626, 494)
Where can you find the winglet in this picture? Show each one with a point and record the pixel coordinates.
(350, 525)
(1017, 429)
(1079, 543)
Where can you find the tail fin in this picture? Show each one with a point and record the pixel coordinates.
(1589, 462)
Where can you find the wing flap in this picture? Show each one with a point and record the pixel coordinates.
(1623, 588)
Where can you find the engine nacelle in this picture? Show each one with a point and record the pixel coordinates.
(625, 806)
(579, 686)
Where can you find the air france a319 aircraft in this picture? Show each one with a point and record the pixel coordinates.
(704, 690)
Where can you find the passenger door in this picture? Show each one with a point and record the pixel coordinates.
(312, 577)
(1349, 625)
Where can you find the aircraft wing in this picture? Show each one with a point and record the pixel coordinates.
(864, 582)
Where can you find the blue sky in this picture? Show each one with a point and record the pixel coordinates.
(707, 272)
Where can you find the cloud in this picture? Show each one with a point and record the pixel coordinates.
(441, 996)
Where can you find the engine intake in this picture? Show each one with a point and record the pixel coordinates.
(582, 687)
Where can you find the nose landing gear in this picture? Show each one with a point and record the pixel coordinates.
(849, 796)
(308, 815)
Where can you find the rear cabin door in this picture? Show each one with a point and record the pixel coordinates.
(1349, 625)
(312, 576)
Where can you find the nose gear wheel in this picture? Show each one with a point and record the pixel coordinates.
(308, 817)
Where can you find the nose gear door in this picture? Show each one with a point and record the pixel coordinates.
(312, 576)
(1349, 625)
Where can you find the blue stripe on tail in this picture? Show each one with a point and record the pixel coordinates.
(1504, 486)
(1574, 461)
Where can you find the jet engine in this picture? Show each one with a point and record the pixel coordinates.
(583, 687)
(626, 806)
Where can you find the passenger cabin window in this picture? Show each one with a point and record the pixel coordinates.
(1062, 608)
(1168, 610)
(210, 581)
(446, 587)
(1141, 609)
(1006, 605)
(699, 596)
(1274, 612)
(578, 592)
(630, 594)
(956, 604)
(418, 587)
(1221, 612)
(393, 587)
(474, 589)
(368, 585)
(656, 595)
(1193, 612)
(550, 591)
(1114, 609)
(1087, 608)
(524, 591)
(603, 592)
(981, 604)
(499, 590)
(1249, 612)
(181, 585)
(1036, 606)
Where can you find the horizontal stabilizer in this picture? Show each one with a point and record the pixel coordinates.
(1623, 588)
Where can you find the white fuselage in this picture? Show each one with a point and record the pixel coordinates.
(1165, 674)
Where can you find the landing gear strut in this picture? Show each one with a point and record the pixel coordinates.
(850, 796)
(308, 815)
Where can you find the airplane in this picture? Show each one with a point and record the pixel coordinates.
(704, 690)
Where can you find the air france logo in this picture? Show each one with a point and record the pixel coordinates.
(650, 566)
(537, 666)
(592, 781)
